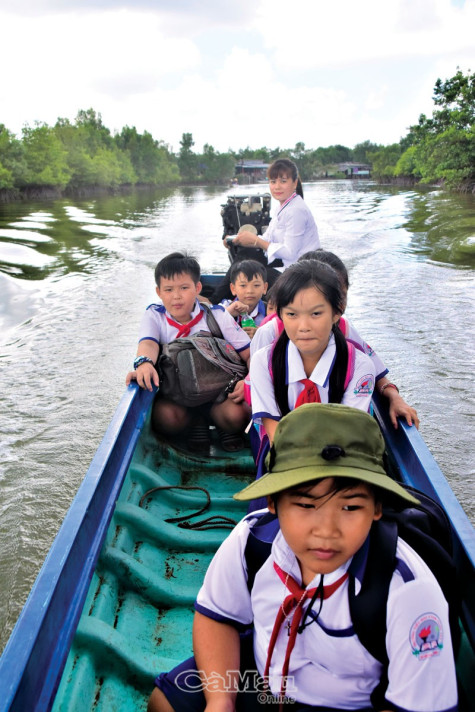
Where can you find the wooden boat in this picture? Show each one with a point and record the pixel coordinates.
(113, 603)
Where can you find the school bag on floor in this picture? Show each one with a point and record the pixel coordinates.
(200, 368)
(425, 527)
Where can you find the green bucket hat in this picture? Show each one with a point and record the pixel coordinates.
(320, 440)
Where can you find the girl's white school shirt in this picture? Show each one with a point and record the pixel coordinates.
(291, 233)
(267, 334)
(358, 393)
(155, 326)
(328, 665)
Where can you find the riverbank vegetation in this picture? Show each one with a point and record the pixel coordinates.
(73, 157)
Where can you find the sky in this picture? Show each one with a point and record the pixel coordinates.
(234, 73)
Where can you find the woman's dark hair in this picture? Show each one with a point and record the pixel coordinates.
(302, 275)
(329, 258)
(177, 263)
(285, 167)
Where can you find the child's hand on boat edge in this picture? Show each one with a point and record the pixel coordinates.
(145, 375)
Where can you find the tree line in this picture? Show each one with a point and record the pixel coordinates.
(71, 156)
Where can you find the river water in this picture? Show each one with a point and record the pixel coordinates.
(76, 275)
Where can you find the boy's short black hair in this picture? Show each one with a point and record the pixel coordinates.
(340, 484)
(250, 268)
(177, 263)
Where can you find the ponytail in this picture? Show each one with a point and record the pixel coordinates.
(279, 354)
(299, 189)
(336, 386)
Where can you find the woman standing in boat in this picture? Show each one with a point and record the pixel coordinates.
(292, 231)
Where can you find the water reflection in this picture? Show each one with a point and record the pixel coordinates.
(443, 227)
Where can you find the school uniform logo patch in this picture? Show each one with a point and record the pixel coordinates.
(364, 386)
(426, 636)
(367, 349)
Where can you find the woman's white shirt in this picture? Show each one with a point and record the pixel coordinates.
(291, 233)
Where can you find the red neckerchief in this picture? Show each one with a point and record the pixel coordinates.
(295, 601)
(309, 394)
(184, 329)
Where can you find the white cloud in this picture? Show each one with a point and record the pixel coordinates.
(233, 74)
(324, 34)
(64, 64)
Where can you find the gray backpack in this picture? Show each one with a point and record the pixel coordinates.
(201, 368)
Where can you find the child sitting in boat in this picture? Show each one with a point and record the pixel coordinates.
(311, 360)
(248, 284)
(177, 277)
(288, 635)
(398, 408)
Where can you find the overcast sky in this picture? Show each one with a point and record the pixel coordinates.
(234, 73)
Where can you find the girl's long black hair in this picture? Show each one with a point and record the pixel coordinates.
(301, 275)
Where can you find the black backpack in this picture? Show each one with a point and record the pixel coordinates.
(425, 527)
(200, 368)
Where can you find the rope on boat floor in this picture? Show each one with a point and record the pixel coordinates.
(214, 522)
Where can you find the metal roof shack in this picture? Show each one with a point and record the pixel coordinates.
(355, 170)
(253, 169)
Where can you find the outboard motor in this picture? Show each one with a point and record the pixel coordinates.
(246, 212)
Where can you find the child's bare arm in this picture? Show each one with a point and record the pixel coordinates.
(146, 374)
(216, 647)
(270, 426)
(398, 408)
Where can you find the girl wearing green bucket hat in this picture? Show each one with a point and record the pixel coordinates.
(326, 482)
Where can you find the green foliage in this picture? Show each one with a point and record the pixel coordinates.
(407, 163)
(45, 157)
(11, 158)
(6, 177)
(384, 160)
(441, 148)
(216, 167)
(187, 160)
(456, 99)
(361, 151)
(152, 161)
(448, 157)
(84, 153)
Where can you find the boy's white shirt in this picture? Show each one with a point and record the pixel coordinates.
(154, 326)
(335, 670)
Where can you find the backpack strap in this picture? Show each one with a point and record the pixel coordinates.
(368, 608)
(213, 325)
(343, 326)
(350, 367)
(259, 544)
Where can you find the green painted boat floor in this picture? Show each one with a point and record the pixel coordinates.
(138, 613)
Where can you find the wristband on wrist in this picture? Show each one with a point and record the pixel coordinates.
(388, 385)
(142, 359)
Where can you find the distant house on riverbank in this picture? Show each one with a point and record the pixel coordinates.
(355, 170)
(251, 170)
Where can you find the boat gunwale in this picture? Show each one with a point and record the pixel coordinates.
(35, 655)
